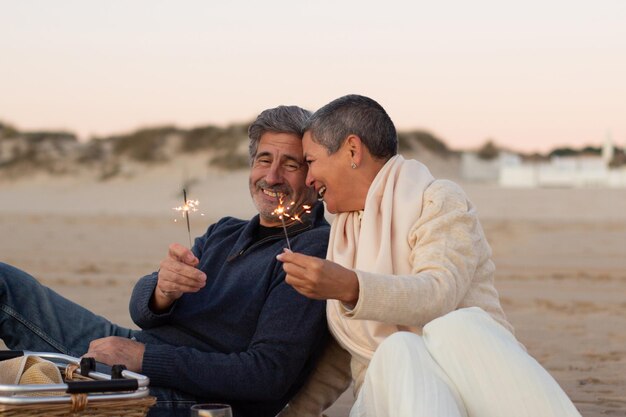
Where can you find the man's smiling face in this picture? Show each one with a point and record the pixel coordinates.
(278, 172)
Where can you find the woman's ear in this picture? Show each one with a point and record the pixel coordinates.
(356, 148)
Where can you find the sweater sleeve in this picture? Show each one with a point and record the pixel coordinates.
(139, 305)
(290, 329)
(447, 243)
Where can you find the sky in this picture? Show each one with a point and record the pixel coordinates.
(530, 75)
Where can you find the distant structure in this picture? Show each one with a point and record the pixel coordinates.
(477, 169)
(608, 153)
(509, 170)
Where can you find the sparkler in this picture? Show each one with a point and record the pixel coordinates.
(189, 205)
(283, 211)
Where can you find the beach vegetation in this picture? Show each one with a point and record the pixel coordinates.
(214, 138)
(61, 153)
(230, 161)
(144, 145)
(408, 141)
(619, 159)
(7, 131)
(92, 151)
(488, 151)
(563, 151)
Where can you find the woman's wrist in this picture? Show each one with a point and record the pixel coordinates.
(351, 294)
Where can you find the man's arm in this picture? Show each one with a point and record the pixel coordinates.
(115, 350)
(289, 329)
(150, 305)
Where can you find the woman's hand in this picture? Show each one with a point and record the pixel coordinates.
(320, 279)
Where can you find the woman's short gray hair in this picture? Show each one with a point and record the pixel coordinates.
(354, 115)
(281, 119)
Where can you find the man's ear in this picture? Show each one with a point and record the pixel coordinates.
(356, 148)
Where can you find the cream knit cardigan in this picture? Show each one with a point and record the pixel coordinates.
(419, 252)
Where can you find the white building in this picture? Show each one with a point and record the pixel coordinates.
(474, 168)
(509, 170)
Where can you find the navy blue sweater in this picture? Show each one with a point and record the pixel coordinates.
(246, 338)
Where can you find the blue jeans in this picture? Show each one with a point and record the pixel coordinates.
(35, 318)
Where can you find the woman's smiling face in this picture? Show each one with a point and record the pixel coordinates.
(331, 176)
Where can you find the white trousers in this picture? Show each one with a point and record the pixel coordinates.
(464, 365)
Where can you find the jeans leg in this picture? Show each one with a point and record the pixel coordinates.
(33, 317)
(170, 403)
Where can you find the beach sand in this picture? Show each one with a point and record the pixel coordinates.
(560, 257)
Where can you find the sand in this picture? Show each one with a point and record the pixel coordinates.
(560, 254)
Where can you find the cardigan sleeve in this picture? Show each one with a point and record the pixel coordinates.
(447, 244)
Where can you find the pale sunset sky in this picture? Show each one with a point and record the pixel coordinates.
(531, 75)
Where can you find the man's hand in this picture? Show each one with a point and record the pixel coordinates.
(178, 275)
(116, 350)
(320, 279)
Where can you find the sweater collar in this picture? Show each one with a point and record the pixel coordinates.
(309, 221)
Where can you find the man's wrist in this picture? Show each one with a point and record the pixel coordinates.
(161, 300)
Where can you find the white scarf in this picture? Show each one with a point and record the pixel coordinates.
(376, 240)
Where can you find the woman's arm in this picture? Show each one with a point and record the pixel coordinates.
(447, 244)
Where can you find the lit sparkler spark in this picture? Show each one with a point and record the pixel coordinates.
(188, 206)
(283, 211)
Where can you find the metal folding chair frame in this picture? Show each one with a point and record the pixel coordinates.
(99, 387)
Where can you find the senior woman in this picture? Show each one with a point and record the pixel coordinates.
(410, 286)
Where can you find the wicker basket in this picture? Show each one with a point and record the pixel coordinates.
(85, 392)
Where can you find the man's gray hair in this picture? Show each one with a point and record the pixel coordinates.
(281, 119)
(354, 115)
